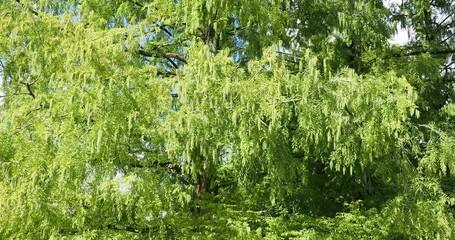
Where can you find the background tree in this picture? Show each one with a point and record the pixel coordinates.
(226, 119)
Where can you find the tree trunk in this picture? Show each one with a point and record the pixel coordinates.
(202, 187)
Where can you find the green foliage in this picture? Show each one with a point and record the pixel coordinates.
(216, 119)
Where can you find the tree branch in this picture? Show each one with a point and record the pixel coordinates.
(29, 8)
(137, 230)
(29, 86)
(438, 25)
(447, 38)
(176, 56)
(137, 3)
(163, 28)
(131, 229)
(412, 53)
(422, 51)
(165, 55)
(431, 129)
(33, 110)
(29, 89)
(167, 73)
(172, 63)
(167, 165)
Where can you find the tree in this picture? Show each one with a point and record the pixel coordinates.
(226, 119)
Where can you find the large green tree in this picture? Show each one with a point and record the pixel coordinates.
(221, 119)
